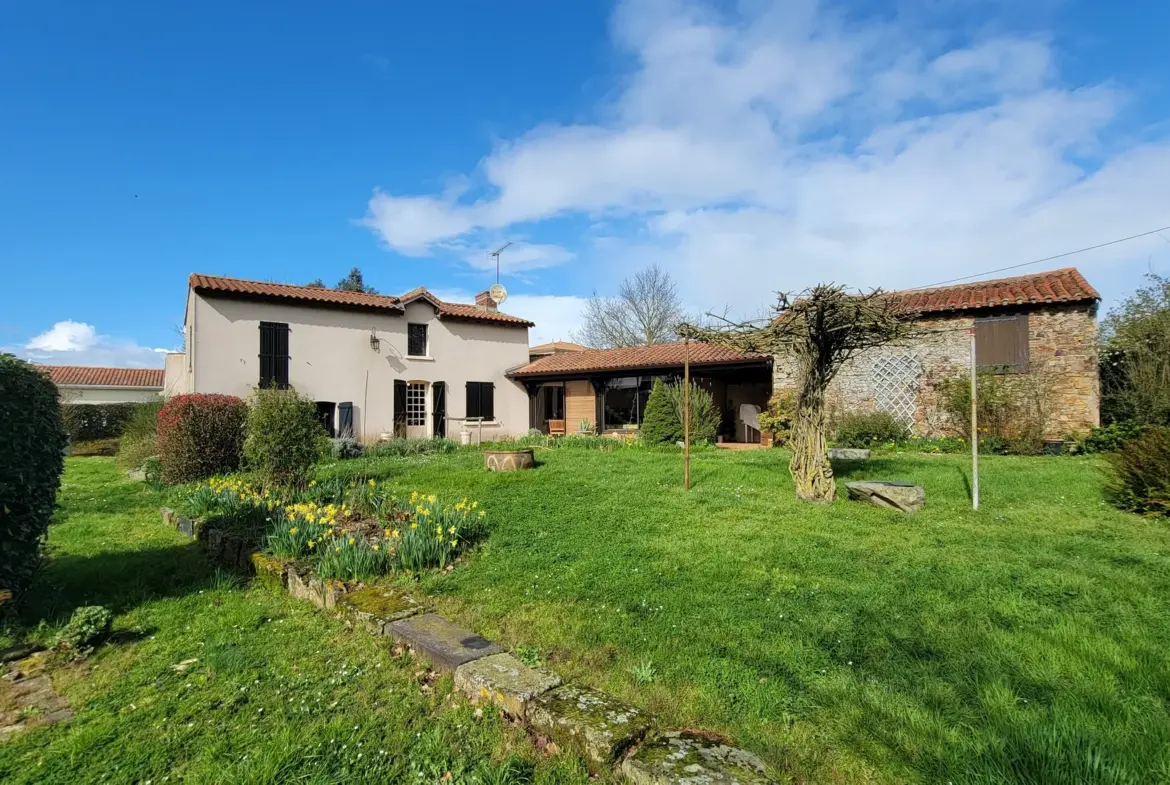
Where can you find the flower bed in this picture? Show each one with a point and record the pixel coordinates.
(334, 530)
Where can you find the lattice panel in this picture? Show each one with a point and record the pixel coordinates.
(895, 381)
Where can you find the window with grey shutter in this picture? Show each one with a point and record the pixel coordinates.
(1001, 343)
(273, 354)
(481, 400)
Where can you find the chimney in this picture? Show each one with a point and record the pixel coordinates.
(484, 301)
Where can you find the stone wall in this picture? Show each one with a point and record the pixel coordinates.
(905, 379)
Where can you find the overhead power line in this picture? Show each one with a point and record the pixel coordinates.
(1045, 259)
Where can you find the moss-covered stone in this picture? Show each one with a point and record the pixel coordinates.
(683, 758)
(325, 592)
(300, 586)
(505, 681)
(270, 571)
(375, 607)
(597, 725)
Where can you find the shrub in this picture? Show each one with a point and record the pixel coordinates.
(345, 448)
(88, 626)
(401, 448)
(285, 436)
(868, 429)
(1109, 438)
(31, 461)
(665, 415)
(777, 418)
(200, 436)
(1140, 480)
(660, 423)
(87, 422)
(1012, 409)
(139, 436)
(1135, 363)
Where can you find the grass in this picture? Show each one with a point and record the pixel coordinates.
(207, 680)
(1025, 642)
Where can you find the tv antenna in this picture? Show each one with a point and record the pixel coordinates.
(496, 255)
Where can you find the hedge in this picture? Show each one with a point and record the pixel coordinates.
(34, 441)
(86, 422)
(200, 436)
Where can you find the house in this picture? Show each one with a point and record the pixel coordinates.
(376, 365)
(1041, 328)
(555, 347)
(606, 390)
(87, 384)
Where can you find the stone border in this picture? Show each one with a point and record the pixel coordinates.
(609, 734)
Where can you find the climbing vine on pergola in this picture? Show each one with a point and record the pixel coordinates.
(820, 330)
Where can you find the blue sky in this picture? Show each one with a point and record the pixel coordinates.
(746, 147)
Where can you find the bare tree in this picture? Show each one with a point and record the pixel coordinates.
(644, 312)
(820, 330)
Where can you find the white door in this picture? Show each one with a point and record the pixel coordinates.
(416, 410)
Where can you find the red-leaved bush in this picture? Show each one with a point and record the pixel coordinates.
(200, 435)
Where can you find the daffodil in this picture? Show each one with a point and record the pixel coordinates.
(414, 525)
(311, 543)
(372, 483)
(352, 540)
(293, 530)
(451, 530)
(453, 543)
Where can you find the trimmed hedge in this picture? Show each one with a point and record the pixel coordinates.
(31, 462)
(200, 435)
(285, 436)
(87, 422)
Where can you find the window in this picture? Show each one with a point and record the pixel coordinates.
(481, 400)
(1001, 343)
(416, 404)
(554, 401)
(325, 411)
(273, 354)
(416, 340)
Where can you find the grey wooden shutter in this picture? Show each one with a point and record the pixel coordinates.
(345, 419)
(273, 354)
(1001, 343)
(399, 407)
(487, 400)
(439, 390)
(473, 402)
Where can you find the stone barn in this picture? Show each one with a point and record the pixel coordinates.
(1041, 326)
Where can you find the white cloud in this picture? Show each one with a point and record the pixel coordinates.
(780, 144)
(78, 343)
(520, 257)
(65, 337)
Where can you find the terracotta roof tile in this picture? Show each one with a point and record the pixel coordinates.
(556, 346)
(1055, 286)
(663, 355)
(314, 294)
(104, 377)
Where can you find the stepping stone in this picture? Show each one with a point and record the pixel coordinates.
(848, 454)
(682, 758)
(445, 645)
(504, 680)
(597, 725)
(376, 608)
(903, 496)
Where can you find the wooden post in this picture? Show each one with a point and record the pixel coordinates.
(687, 413)
(974, 430)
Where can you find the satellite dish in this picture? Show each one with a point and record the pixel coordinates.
(498, 293)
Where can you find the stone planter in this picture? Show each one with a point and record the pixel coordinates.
(508, 460)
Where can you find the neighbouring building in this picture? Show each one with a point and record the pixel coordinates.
(87, 384)
(605, 390)
(1042, 327)
(376, 365)
(555, 347)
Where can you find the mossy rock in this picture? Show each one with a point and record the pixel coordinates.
(270, 571)
(504, 680)
(685, 758)
(374, 607)
(597, 725)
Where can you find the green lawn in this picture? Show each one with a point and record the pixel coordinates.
(278, 692)
(1026, 642)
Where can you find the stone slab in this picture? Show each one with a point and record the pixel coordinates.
(848, 454)
(598, 726)
(682, 758)
(185, 526)
(903, 496)
(505, 681)
(445, 645)
(376, 608)
(325, 593)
